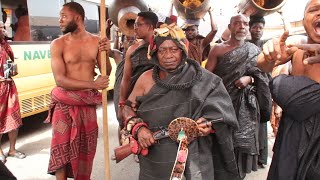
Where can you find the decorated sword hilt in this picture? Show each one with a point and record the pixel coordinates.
(183, 130)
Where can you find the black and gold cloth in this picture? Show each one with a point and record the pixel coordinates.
(250, 103)
(211, 157)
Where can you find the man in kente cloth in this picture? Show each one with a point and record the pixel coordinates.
(72, 111)
(136, 60)
(235, 62)
(179, 87)
(199, 46)
(256, 27)
(10, 117)
(297, 146)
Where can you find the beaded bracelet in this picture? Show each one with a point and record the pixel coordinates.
(136, 129)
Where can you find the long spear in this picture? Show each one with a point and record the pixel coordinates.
(104, 56)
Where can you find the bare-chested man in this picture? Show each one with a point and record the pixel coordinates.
(74, 100)
(136, 58)
(235, 62)
(297, 144)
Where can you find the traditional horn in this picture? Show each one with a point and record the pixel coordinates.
(191, 9)
(124, 12)
(260, 7)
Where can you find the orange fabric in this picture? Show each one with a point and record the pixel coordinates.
(23, 29)
(194, 51)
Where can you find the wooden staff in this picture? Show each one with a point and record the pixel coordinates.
(104, 56)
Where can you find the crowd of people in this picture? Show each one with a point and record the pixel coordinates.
(245, 83)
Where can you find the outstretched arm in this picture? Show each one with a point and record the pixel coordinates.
(313, 49)
(207, 40)
(275, 52)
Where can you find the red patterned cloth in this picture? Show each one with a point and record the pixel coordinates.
(75, 131)
(7, 49)
(10, 117)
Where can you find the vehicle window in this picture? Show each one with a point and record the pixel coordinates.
(31, 20)
(38, 20)
(44, 19)
(12, 11)
(92, 16)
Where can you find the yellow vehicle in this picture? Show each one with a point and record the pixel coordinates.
(32, 49)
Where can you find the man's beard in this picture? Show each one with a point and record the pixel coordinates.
(71, 27)
(240, 38)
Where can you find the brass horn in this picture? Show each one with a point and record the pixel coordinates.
(260, 7)
(191, 9)
(123, 14)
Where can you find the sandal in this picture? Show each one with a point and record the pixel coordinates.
(17, 154)
(3, 159)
